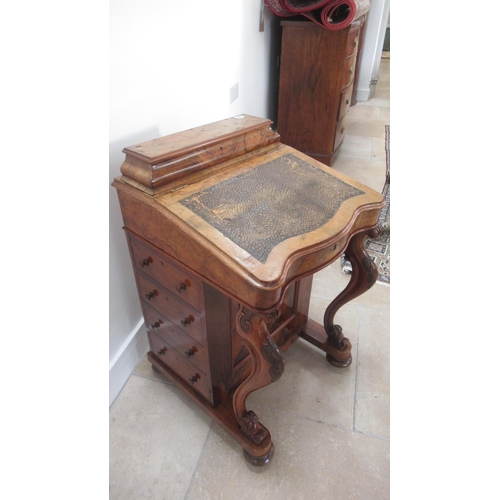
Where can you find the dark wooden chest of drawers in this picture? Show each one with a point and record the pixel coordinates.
(317, 79)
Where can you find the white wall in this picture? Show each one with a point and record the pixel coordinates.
(376, 23)
(171, 67)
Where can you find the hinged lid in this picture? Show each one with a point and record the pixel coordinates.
(166, 161)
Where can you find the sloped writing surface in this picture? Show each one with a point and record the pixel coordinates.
(280, 199)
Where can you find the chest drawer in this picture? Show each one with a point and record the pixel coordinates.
(179, 313)
(184, 369)
(339, 134)
(182, 343)
(182, 284)
(352, 42)
(348, 72)
(345, 101)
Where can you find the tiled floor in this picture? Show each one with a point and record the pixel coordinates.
(330, 426)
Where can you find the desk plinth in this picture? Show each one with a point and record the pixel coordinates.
(226, 228)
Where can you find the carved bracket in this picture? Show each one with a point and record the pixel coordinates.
(270, 351)
(336, 338)
(267, 366)
(252, 428)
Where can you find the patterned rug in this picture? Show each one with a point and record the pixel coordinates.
(379, 248)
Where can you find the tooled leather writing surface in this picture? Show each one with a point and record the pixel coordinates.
(282, 198)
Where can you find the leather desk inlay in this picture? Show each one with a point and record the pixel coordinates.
(283, 198)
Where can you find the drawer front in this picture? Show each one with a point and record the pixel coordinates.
(182, 343)
(182, 284)
(349, 69)
(179, 313)
(339, 134)
(345, 101)
(352, 42)
(184, 369)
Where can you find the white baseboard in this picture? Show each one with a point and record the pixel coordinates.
(363, 95)
(125, 361)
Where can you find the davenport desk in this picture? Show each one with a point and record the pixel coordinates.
(226, 227)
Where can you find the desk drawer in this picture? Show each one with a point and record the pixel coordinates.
(179, 313)
(184, 369)
(181, 283)
(182, 343)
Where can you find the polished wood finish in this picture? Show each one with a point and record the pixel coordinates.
(317, 74)
(219, 313)
(164, 163)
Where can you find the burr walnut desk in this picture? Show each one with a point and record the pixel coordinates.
(226, 227)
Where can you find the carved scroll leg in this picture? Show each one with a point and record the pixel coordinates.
(363, 277)
(267, 367)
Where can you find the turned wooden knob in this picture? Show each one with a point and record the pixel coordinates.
(187, 321)
(194, 378)
(151, 295)
(146, 261)
(348, 100)
(191, 352)
(157, 324)
(180, 287)
(163, 350)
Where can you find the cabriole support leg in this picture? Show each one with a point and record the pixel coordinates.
(267, 367)
(363, 277)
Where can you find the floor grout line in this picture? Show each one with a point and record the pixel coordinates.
(166, 382)
(356, 370)
(199, 459)
(309, 419)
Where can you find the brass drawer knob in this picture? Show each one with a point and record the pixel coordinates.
(180, 287)
(342, 130)
(152, 294)
(356, 41)
(163, 350)
(146, 262)
(191, 352)
(187, 321)
(351, 70)
(195, 378)
(157, 324)
(347, 101)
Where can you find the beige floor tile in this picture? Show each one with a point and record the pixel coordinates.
(368, 172)
(378, 153)
(385, 115)
(143, 369)
(365, 128)
(361, 112)
(310, 387)
(156, 438)
(372, 379)
(356, 147)
(376, 101)
(328, 282)
(312, 461)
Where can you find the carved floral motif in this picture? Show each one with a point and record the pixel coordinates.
(336, 338)
(250, 426)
